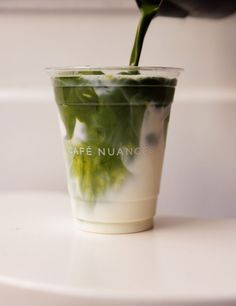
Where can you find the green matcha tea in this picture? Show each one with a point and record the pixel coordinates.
(114, 123)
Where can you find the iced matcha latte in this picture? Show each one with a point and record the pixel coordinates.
(114, 123)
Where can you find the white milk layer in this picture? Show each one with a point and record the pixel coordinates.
(137, 196)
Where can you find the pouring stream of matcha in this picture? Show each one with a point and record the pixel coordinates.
(149, 9)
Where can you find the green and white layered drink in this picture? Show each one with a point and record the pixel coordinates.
(114, 123)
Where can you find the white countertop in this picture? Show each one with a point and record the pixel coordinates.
(45, 261)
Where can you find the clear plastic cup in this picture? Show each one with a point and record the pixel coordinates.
(114, 123)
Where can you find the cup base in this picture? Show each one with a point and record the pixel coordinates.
(114, 228)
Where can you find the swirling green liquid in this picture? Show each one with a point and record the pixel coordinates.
(110, 111)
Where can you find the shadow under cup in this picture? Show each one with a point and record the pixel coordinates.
(114, 123)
